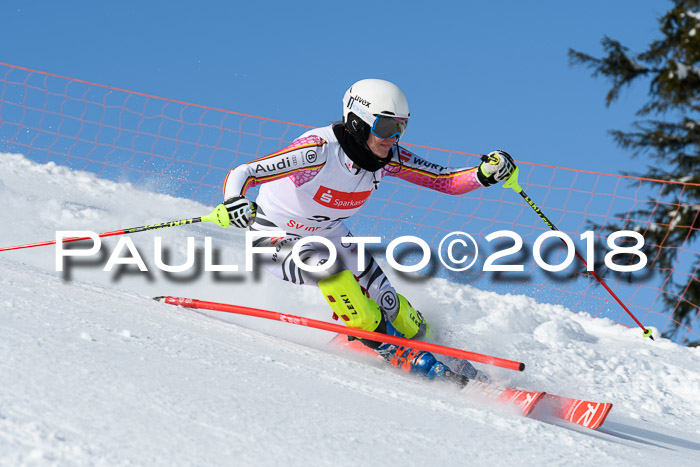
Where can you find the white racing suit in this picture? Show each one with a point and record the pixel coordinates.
(311, 186)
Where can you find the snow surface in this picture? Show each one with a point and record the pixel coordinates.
(93, 372)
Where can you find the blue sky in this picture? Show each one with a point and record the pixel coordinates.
(478, 75)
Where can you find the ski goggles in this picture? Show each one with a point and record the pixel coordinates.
(389, 127)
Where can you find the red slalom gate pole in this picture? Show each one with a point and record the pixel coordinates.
(374, 336)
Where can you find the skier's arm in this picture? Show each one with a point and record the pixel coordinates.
(413, 169)
(301, 160)
(453, 181)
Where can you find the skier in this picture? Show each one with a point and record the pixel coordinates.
(325, 176)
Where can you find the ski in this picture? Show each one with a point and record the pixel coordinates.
(585, 413)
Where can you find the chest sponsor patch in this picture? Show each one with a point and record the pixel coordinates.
(340, 199)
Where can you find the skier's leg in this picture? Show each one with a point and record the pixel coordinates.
(406, 319)
(400, 314)
(351, 303)
(282, 264)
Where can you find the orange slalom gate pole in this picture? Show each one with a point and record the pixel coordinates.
(374, 336)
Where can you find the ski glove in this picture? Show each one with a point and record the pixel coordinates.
(241, 211)
(495, 167)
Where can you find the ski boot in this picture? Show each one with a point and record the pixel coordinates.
(466, 369)
(408, 359)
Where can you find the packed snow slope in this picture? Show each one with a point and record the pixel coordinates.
(94, 372)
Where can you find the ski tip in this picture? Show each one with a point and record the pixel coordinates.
(598, 419)
(159, 299)
(521, 367)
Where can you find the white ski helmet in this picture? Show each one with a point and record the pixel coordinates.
(369, 98)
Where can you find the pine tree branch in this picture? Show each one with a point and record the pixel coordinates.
(616, 66)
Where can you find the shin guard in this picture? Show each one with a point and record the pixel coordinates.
(409, 321)
(350, 302)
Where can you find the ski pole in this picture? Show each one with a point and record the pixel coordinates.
(512, 182)
(218, 216)
(313, 323)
